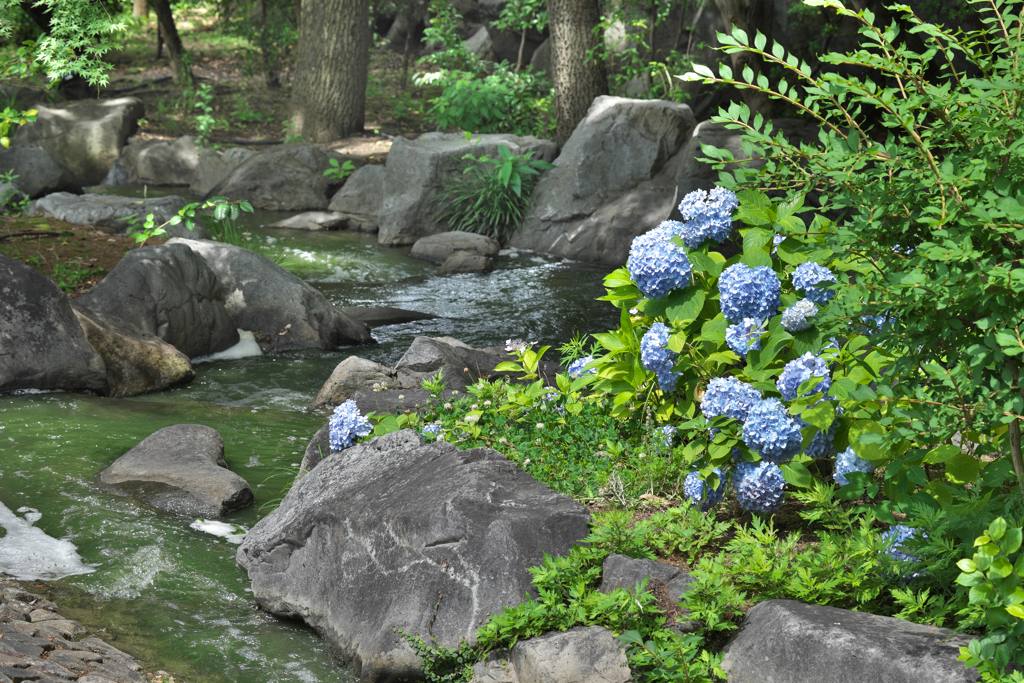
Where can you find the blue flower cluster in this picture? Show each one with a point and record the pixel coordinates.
(847, 462)
(748, 292)
(346, 425)
(667, 433)
(771, 431)
(430, 430)
(730, 397)
(699, 493)
(707, 215)
(807, 275)
(758, 486)
(894, 539)
(657, 358)
(657, 264)
(746, 335)
(796, 317)
(798, 371)
(578, 367)
(776, 241)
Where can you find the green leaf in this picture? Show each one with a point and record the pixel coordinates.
(997, 528)
(687, 306)
(797, 474)
(962, 469)
(821, 415)
(941, 454)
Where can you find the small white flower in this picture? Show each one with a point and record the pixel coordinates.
(540, 425)
(474, 407)
(487, 404)
(472, 418)
(455, 392)
(447, 406)
(634, 311)
(526, 462)
(640, 455)
(401, 397)
(502, 440)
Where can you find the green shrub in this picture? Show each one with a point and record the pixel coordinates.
(921, 155)
(491, 196)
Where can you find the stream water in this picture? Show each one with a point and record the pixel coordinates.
(170, 593)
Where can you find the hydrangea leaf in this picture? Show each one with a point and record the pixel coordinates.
(703, 263)
(821, 416)
(714, 330)
(797, 474)
(867, 448)
(942, 454)
(756, 257)
(686, 306)
(962, 469)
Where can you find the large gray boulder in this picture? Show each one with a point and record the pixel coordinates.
(579, 655)
(367, 541)
(213, 167)
(416, 170)
(38, 173)
(360, 199)
(785, 641)
(592, 204)
(86, 136)
(283, 312)
(136, 362)
(349, 376)
(285, 178)
(42, 345)
(437, 248)
(170, 292)
(114, 214)
(158, 162)
(180, 469)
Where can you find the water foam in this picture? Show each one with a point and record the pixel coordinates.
(245, 348)
(28, 553)
(232, 533)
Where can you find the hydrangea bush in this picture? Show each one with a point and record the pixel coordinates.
(729, 351)
(347, 424)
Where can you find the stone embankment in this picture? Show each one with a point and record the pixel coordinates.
(37, 644)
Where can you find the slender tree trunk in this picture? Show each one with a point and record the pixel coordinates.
(751, 16)
(522, 44)
(329, 97)
(576, 80)
(181, 73)
(139, 8)
(1015, 446)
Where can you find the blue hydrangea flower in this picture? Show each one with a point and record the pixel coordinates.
(667, 433)
(430, 430)
(771, 431)
(748, 292)
(657, 358)
(796, 317)
(894, 538)
(847, 462)
(576, 368)
(807, 275)
(657, 264)
(347, 425)
(798, 371)
(730, 397)
(697, 491)
(758, 486)
(745, 336)
(822, 445)
(707, 215)
(776, 241)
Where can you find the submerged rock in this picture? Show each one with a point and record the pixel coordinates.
(42, 346)
(438, 248)
(375, 535)
(466, 262)
(180, 469)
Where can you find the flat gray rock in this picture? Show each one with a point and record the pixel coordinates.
(180, 469)
(437, 248)
(311, 220)
(466, 262)
(668, 583)
(283, 312)
(168, 291)
(580, 655)
(42, 346)
(368, 540)
(378, 316)
(785, 641)
(115, 214)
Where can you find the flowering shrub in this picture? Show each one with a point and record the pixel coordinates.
(700, 494)
(847, 462)
(698, 329)
(346, 425)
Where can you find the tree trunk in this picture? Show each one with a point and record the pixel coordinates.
(139, 8)
(576, 80)
(181, 72)
(751, 16)
(329, 97)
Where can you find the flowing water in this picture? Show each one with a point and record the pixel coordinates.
(167, 589)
